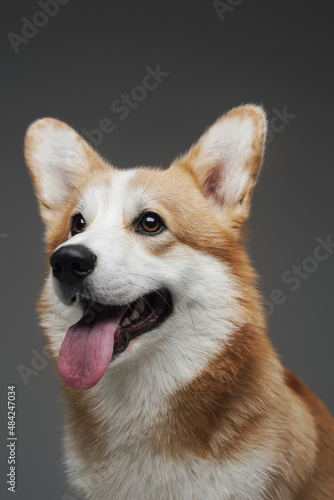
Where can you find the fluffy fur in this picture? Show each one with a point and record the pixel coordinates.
(200, 407)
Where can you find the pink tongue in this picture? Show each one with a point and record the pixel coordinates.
(87, 349)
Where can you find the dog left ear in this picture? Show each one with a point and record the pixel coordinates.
(58, 159)
(226, 162)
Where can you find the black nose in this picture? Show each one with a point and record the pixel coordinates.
(72, 263)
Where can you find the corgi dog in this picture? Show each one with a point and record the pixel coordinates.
(153, 318)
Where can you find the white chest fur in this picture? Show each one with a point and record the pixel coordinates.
(136, 469)
(135, 473)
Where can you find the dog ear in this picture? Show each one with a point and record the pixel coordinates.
(57, 159)
(226, 162)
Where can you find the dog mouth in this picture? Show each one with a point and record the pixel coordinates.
(104, 333)
(138, 317)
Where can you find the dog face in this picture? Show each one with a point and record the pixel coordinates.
(143, 260)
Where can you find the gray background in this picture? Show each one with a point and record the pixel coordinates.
(277, 53)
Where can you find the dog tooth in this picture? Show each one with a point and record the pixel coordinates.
(135, 315)
(126, 322)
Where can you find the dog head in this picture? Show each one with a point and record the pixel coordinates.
(145, 261)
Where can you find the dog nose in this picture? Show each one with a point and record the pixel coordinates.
(72, 263)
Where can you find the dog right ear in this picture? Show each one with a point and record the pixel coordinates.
(226, 162)
(58, 159)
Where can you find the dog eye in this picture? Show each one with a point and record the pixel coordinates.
(78, 224)
(150, 223)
